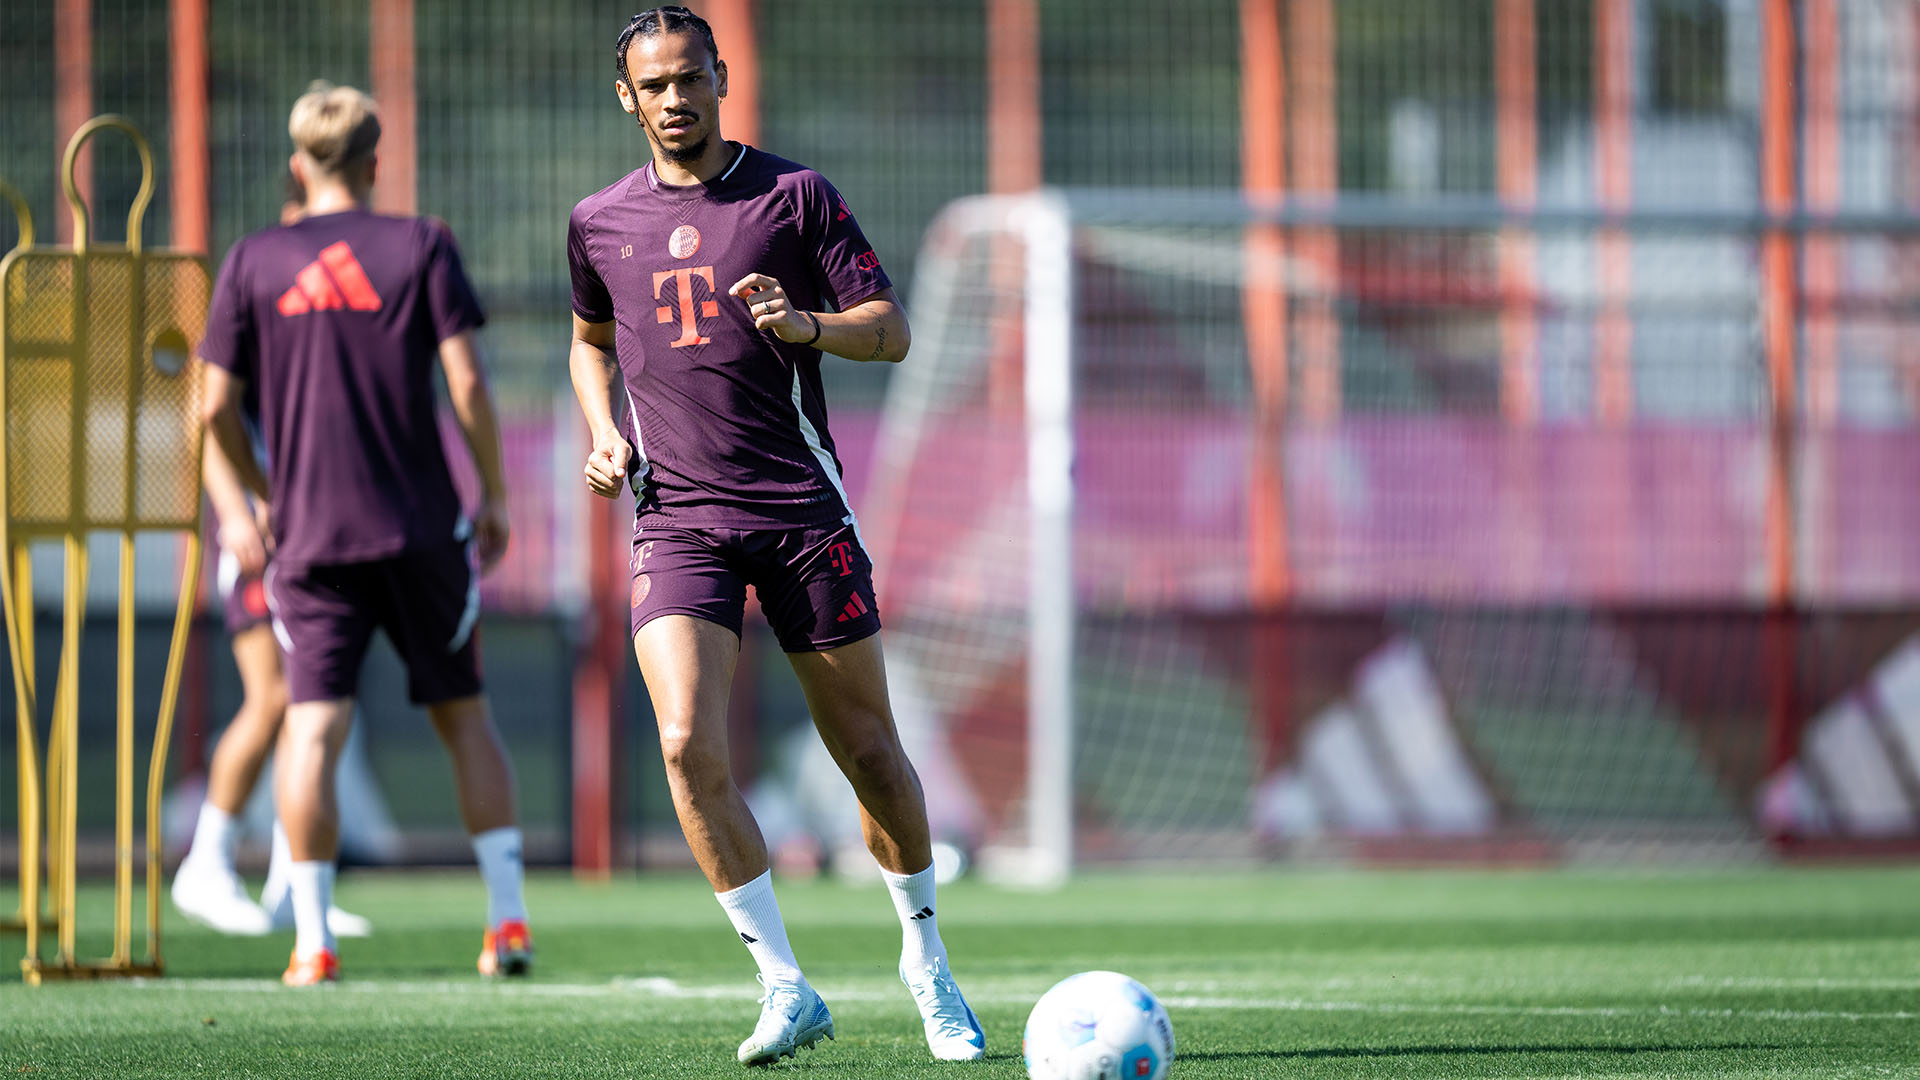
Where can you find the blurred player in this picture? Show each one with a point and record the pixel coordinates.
(338, 320)
(207, 887)
(717, 274)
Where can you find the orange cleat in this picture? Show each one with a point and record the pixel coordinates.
(507, 949)
(321, 967)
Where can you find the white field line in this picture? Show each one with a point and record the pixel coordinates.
(1763, 982)
(1660, 1011)
(669, 988)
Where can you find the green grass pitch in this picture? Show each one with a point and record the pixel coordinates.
(1714, 973)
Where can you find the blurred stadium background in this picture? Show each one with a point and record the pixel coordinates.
(1492, 422)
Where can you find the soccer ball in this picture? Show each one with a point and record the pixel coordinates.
(1098, 1025)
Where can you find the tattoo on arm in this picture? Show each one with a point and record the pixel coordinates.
(880, 345)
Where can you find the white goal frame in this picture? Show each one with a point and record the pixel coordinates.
(1043, 225)
(1047, 225)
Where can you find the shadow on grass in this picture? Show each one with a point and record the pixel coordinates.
(1469, 1049)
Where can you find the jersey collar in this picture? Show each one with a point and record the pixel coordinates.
(692, 191)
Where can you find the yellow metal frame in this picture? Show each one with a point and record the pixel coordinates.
(98, 377)
(19, 569)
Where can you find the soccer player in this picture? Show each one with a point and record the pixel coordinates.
(207, 887)
(338, 320)
(717, 274)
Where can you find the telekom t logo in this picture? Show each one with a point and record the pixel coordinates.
(689, 325)
(842, 556)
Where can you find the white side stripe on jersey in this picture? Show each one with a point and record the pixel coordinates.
(471, 613)
(273, 608)
(227, 573)
(637, 476)
(812, 436)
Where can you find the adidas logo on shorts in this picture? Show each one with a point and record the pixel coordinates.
(855, 608)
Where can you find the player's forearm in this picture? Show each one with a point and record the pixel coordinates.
(873, 331)
(224, 489)
(230, 436)
(595, 374)
(480, 425)
(473, 408)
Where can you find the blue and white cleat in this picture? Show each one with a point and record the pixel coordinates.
(953, 1032)
(791, 1017)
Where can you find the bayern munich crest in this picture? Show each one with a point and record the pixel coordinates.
(684, 242)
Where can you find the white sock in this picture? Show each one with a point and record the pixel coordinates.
(274, 892)
(498, 852)
(756, 918)
(215, 835)
(312, 886)
(920, 943)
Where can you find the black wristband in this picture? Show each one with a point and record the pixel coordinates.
(816, 327)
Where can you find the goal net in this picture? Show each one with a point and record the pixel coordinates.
(1367, 529)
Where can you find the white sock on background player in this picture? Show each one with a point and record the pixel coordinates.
(206, 888)
(311, 886)
(276, 898)
(273, 895)
(755, 915)
(912, 894)
(499, 853)
(215, 836)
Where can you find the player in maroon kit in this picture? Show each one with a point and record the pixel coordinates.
(338, 320)
(207, 888)
(717, 274)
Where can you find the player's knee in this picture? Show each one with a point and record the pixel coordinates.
(699, 763)
(877, 763)
(320, 727)
(267, 703)
(457, 715)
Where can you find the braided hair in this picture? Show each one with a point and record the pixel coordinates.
(671, 19)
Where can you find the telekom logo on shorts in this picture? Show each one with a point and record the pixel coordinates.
(842, 556)
(684, 278)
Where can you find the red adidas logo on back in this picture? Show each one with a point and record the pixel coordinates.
(334, 281)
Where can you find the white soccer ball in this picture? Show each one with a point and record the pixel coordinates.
(1098, 1025)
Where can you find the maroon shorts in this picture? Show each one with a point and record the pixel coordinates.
(815, 584)
(243, 595)
(428, 602)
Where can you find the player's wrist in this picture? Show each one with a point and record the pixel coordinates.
(816, 327)
(229, 515)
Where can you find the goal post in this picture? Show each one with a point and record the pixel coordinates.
(1503, 639)
(1030, 304)
(1047, 233)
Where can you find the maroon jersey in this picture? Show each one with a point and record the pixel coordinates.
(337, 321)
(730, 421)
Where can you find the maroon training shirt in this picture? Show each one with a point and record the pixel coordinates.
(337, 319)
(731, 421)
